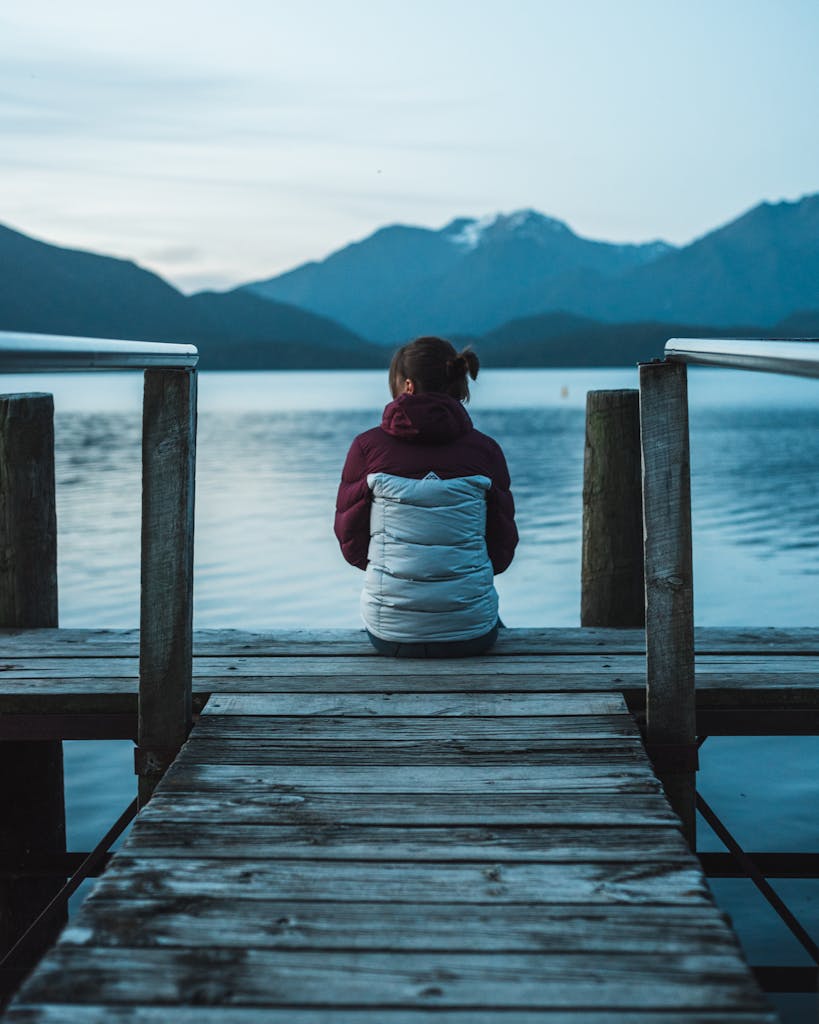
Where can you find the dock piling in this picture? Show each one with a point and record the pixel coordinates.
(612, 589)
(166, 606)
(32, 803)
(670, 682)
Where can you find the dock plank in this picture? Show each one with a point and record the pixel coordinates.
(278, 924)
(189, 772)
(205, 838)
(55, 1013)
(90, 643)
(583, 807)
(354, 979)
(405, 881)
(292, 668)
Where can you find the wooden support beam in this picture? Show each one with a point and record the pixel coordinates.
(32, 805)
(166, 607)
(670, 693)
(612, 591)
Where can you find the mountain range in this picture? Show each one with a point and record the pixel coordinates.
(472, 276)
(468, 277)
(523, 288)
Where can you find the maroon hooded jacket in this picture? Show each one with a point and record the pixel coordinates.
(419, 434)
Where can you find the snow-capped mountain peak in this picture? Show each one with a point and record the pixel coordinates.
(468, 233)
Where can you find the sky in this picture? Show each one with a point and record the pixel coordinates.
(218, 144)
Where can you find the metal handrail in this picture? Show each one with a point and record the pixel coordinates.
(791, 356)
(44, 353)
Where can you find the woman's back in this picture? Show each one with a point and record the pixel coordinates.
(425, 507)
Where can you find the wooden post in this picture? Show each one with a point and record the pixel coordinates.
(166, 607)
(32, 804)
(670, 693)
(612, 588)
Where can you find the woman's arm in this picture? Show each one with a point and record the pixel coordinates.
(352, 522)
(501, 532)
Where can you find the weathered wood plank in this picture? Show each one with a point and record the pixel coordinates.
(397, 705)
(259, 805)
(167, 836)
(90, 643)
(84, 1013)
(742, 689)
(399, 730)
(743, 693)
(552, 667)
(455, 927)
(466, 980)
(321, 751)
(259, 748)
(656, 882)
(190, 773)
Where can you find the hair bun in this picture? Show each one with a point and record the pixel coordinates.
(465, 362)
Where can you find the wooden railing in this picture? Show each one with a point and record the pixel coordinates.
(168, 474)
(637, 546)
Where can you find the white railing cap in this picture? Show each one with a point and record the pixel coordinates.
(33, 353)
(788, 355)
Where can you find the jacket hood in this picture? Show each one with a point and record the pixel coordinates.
(431, 418)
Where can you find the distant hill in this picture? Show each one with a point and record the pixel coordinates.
(473, 276)
(51, 290)
(566, 340)
(466, 278)
(758, 269)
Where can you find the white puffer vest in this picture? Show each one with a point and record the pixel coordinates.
(429, 577)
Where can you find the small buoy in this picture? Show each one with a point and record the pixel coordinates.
(564, 392)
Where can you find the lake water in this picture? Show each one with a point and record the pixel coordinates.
(270, 450)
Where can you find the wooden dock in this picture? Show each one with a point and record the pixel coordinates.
(346, 838)
(83, 684)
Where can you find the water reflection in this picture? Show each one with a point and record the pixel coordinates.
(754, 481)
(265, 554)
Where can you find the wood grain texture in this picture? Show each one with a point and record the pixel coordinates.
(68, 1013)
(455, 927)
(386, 728)
(670, 883)
(487, 752)
(543, 673)
(91, 643)
(259, 805)
(205, 838)
(190, 773)
(455, 704)
(166, 603)
(670, 681)
(612, 588)
(352, 979)
(265, 749)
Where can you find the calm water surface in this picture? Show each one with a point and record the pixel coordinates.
(271, 446)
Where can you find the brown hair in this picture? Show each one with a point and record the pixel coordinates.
(432, 364)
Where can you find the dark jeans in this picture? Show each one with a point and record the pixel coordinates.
(443, 649)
